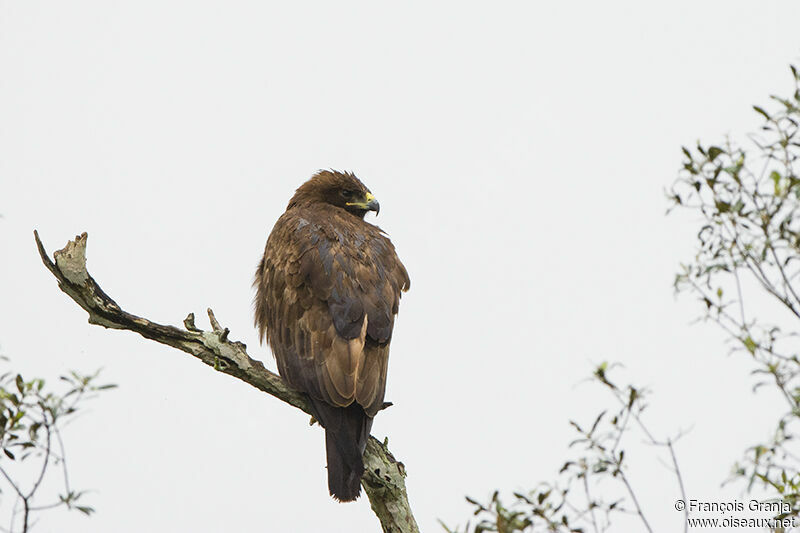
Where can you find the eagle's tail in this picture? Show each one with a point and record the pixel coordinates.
(346, 433)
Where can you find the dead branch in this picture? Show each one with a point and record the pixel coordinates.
(384, 478)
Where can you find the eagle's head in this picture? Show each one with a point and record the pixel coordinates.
(341, 189)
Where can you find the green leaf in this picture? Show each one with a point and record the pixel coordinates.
(596, 422)
(9, 454)
(632, 397)
(762, 112)
(750, 344)
(776, 179)
(713, 152)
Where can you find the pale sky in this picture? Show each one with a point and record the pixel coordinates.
(520, 152)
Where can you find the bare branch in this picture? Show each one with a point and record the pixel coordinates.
(384, 477)
(46, 460)
(680, 483)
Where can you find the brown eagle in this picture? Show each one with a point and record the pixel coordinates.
(327, 292)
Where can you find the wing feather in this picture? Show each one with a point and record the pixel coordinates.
(327, 294)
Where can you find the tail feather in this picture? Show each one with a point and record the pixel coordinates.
(346, 433)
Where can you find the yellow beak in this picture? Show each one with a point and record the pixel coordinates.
(368, 204)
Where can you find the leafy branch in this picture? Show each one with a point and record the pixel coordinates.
(593, 487)
(749, 247)
(31, 419)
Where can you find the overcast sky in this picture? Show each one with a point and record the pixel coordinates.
(520, 152)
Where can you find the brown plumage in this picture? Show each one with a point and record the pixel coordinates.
(327, 292)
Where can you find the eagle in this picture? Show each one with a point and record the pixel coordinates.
(327, 293)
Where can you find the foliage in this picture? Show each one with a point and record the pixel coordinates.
(32, 417)
(749, 247)
(749, 244)
(593, 487)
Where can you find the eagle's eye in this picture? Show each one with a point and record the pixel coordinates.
(347, 194)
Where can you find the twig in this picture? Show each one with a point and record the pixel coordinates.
(45, 461)
(739, 293)
(632, 494)
(590, 502)
(11, 482)
(60, 442)
(680, 484)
